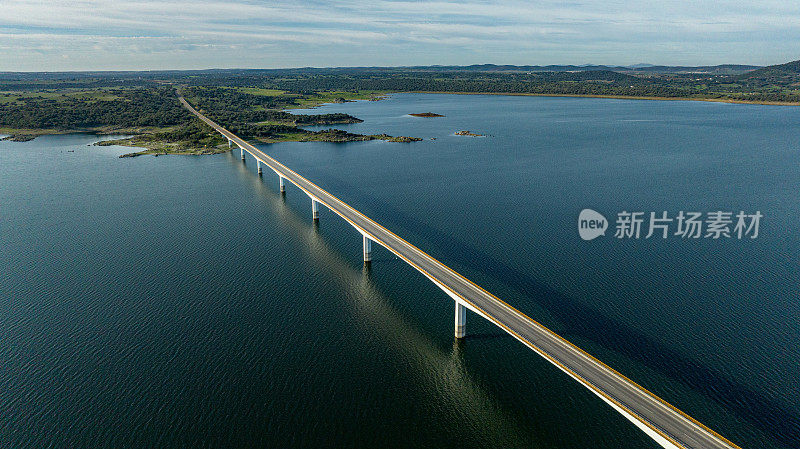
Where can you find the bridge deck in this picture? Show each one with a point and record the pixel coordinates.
(666, 424)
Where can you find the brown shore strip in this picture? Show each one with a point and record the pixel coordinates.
(617, 97)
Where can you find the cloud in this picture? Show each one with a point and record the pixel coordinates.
(109, 34)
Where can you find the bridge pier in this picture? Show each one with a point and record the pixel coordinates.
(283, 187)
(242, 153)
(367, 249)
(230, 143)
(258, 164)
(314, 209)
(461, 320)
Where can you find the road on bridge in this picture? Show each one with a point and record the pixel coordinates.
(663, 422)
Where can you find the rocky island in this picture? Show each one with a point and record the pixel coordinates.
(468, 133)
(426, 114)
(19, 137)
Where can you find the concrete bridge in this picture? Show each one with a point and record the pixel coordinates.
(668, 426)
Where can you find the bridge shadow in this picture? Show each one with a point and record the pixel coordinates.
(577, 319)
(476, 410)
(487, 336)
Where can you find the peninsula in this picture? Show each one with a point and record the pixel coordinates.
(153, 120)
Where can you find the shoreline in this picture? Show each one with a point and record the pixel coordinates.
(159, 148)
(350, 97)
(24, 135)
(28, 134)
(615, 97)
(162, 148)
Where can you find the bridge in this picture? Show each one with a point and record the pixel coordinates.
(664, 423)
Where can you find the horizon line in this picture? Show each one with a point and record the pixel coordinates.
(611, 66)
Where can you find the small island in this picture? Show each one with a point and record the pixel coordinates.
(469, 133)
(426, 114)
(19, 137)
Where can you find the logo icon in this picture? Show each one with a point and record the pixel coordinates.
(591, 224)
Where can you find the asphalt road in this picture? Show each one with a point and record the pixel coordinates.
(665, 423)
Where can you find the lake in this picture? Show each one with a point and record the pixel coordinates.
(141, 310)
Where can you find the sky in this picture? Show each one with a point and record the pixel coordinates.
(59, 35)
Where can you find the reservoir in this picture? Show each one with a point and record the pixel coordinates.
(183, 302)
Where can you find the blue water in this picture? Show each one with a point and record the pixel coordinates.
(182, 302)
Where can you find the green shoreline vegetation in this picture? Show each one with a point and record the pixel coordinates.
(160, 125)
(254, 103)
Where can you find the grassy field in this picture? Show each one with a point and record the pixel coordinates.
(157, 147)
(320, 98)
(260, 91)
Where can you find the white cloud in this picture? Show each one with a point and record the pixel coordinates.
(394, 32)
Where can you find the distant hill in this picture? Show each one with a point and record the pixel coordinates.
(779, 73)
(722, 69)
(641, 69)
(587, 75)
(512, 68)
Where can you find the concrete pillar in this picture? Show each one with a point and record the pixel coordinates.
(367, 249)
(242, 153)
(461, 320)
(258, 163)
(283, 187)
(230, 143)
(314, 209)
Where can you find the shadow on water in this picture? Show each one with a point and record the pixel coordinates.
(474, 407)
(487, 336)
(578, 319)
